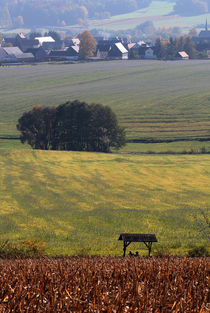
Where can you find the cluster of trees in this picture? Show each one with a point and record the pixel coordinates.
(145, 31)
(75, 126)
(167, 49)
(62, 12)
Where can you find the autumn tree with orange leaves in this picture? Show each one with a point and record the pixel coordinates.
(87, 45)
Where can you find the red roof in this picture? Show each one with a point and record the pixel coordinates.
(131, 45)
(183, 54)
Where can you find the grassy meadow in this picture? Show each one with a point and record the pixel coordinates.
(153, 100)
(81, 202)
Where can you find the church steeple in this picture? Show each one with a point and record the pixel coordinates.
(206, 28)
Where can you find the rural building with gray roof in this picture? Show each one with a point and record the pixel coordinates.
(14, 54)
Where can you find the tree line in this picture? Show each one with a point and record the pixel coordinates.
(74, 125)
(167, 49)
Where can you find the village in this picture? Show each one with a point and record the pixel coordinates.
(42, 49)
(21, 49)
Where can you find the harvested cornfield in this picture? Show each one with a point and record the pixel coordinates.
(95, 284)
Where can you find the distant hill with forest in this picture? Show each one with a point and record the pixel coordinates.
(39, 13)
(31, 13)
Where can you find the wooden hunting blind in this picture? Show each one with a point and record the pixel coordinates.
(147, 239)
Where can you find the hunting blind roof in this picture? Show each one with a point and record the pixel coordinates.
(138, 237)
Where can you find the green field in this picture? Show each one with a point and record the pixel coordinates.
(154, 100)
(158, 10)
(78, 202)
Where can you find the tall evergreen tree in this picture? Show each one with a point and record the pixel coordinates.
(171, 48)
(189, 47)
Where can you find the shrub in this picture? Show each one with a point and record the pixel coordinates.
(161, 251)
(198, 252)
(170, 152)
(151, 152)
(203, 150)
(191, 150)
(83, 252)
(22, 249)
(7, 249)
(33, 247)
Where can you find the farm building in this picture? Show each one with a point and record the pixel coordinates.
(24, 43)
(102, 50)
(182, 55)
(14, 54)
(39, 54)
(45, 39)
(74, 42)
(142, 50)
(21, 42)
(9, 41)
(47, 42)
(118, 51)
(71, 53)
(56, 55)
